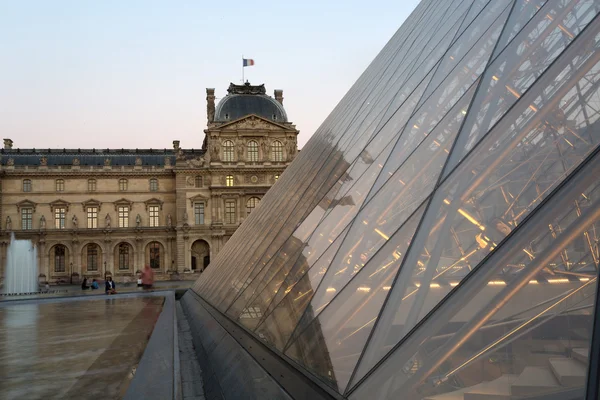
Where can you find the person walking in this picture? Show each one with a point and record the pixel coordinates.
(147, 277)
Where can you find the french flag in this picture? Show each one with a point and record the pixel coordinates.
(248, 62)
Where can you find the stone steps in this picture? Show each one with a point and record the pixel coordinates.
(534, 380)
(568, 371)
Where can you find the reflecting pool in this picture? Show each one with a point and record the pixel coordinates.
(73, 349)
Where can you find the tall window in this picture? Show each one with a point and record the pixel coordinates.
(153, 210)
(123, 185)
(26, 218)
(91, 185)
(154, 255)
(92, 217)
(60, 185)
(123, 212)
(229, 180)
(59, 258)
(92, 257)
(252, 151)
(228, 150)
(276, 151)
(59, 217)
(230, 212)
(27, 185)
(123, 256)
(251, 204)
(154, 185)
(199, 213)
(198, 181)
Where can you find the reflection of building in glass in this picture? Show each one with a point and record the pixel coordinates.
(438, 236)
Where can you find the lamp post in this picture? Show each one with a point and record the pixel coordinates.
(105, 271)
(71, 274)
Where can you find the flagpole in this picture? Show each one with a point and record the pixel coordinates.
(242, 69)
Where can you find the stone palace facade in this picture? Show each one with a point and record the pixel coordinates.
(100, 212)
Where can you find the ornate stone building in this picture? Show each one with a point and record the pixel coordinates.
(97, 212)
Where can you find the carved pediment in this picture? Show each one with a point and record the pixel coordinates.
(91, 203)
(26, 204)
(123, 202)
(198, 198)
(253, 122)
(153, 202)
(60, 203)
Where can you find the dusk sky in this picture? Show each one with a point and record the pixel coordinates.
(133, 74)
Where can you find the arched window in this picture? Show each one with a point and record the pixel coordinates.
(228, 150)
(276, 151)
(252, 151)
(91, 185)
(27, 185)
(154, 185)
(122, 185)
(251, 204)
(154, 255)
(124, 256)
(59, 258)
(60, 185)
(92, 257)
(229, 180)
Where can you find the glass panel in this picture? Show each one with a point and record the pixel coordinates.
(522, 324)
(345, 324)
(394, 203)
(520, 15)
(464, 69)
(546, 135)
(535, 48)
(279, 325)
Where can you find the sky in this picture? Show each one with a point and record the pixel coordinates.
(133, 74)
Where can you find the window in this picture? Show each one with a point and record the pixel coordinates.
(228, 150)
(251, 204)
(153, 215)
(91, 185)
(59, 217)
(199, 213)
(92, 257)
(252, 151)
(198, 181)
(59, 258)
(26, 218)
(276, 177)
(60, 185)
(27, 185)
(123, 212)
(154, 255)
(230, 212)
(229, 180)
(122, 185)
(123, 256)
(276, 151)
(92, 217)
(153, 185)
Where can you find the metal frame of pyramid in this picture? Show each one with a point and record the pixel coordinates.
(437, 238)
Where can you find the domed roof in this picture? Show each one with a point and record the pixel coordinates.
(246, 99)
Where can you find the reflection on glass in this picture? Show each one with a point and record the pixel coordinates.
(523, 325)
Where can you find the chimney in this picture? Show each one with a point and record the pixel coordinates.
(279, 96)
(210, 104)
(8, 143)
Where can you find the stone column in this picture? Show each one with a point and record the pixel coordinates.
(180, 261)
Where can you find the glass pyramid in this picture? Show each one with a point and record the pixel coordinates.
(437, 238)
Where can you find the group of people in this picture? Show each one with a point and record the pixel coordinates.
(146, 278)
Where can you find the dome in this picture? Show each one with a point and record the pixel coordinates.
(246, 99)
